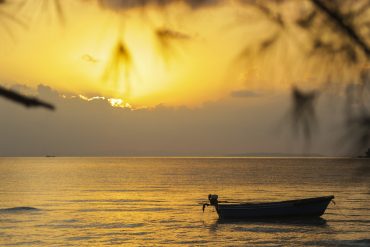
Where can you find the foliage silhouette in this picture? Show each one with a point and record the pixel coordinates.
(24, 100)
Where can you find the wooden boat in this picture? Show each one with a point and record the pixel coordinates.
(309, 207)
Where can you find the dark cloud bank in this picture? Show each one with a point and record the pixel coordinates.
(239, 125)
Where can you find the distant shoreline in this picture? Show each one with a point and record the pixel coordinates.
(196, 156)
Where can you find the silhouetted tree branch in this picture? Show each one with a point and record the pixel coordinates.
(339, 20)
(303, 115)
(24, 100)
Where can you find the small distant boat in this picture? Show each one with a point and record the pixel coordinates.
(309, 207)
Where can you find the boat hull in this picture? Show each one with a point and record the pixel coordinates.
(311, 207)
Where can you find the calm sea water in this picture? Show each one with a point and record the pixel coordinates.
(154, 201)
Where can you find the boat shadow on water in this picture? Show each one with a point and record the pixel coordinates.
(268, 225)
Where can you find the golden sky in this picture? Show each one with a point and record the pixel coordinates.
(174, 55)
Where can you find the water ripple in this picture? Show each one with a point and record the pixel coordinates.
(19, 209)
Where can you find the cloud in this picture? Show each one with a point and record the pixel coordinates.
(244, 94)
(47, 92)
(85, 126)
(127, 4)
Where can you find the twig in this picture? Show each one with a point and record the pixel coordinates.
(24, 100)
(345, 27)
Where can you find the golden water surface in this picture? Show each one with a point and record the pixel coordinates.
(155, 201)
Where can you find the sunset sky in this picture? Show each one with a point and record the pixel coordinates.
(192, 79)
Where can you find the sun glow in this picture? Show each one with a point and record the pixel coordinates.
(115, 102)
(119, 103)
(152, 56)
(176, 64)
